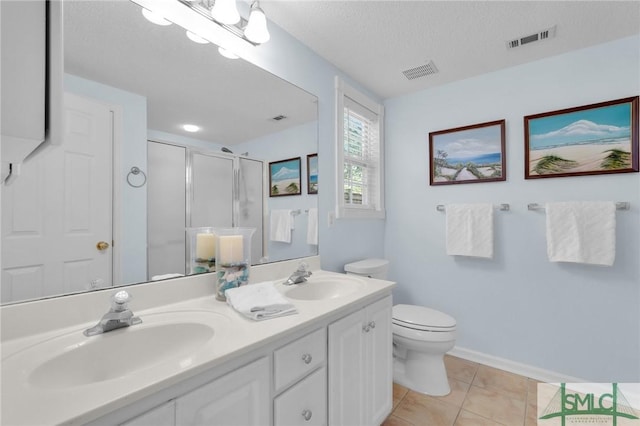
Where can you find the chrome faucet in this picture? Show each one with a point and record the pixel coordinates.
(299, 276)
(118, 316)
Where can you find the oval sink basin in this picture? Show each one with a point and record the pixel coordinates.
(75, 360)
(325, 287)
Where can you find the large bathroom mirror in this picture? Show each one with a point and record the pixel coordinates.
(79, 217)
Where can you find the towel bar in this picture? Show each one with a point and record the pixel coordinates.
(502, 207)
(620, 205)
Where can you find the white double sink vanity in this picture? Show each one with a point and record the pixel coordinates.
(195, 361)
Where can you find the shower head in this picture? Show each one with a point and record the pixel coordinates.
(225, 149)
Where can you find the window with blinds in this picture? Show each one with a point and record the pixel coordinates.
(359, 168)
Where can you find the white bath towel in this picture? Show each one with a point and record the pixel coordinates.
(281, 225)
(259, 301)
(165, 276)
(312, 227)
(582, 232)
(470, 230)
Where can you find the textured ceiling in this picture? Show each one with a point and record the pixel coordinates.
(374, 41)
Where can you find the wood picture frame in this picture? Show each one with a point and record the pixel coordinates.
(468, 154)
(285, 177)
(600, 138)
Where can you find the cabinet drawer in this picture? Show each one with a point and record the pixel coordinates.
(303, 404)
(295, 360)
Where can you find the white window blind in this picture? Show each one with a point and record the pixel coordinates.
(360, 157)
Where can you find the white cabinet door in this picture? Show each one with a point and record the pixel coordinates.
(347, 370)
(164, 415)
(360, 366)
(379, 362)
(239, 398)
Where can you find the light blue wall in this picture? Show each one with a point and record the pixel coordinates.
(286, 57)
(574, 319)
(298, 141)
(132, 240)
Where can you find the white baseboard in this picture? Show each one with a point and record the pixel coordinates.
(514, 367)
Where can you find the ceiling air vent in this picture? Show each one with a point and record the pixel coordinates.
(540, 35)
(279, 117)
(421, 71)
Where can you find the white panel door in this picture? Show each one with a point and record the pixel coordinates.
(347, 379)
(240, 398)
(380, 361)
(62, 199)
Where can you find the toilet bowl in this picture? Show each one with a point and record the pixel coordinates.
(421, 337)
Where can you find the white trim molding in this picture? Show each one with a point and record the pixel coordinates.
(530, 371)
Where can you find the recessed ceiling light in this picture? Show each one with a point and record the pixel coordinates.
(154, 17)
(191, 128)
(196, 38)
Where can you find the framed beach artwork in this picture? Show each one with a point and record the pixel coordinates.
(312, 174)
(469, 154)
(284, 177)
(588, 140)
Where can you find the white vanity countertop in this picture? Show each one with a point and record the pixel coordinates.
(28, 404)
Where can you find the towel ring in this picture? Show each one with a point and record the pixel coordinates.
(136, 171)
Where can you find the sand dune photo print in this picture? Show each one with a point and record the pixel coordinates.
(469, 154)
(594, 139)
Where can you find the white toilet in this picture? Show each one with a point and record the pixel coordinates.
(421, 337)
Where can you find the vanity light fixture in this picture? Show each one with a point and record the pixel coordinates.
(154, 17)
(196, 38)
(225, 12)
(256, 29)
(192, 128)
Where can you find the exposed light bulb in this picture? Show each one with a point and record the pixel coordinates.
(192, 128)
(196, 38)
(227, 53)
(256, 29)
(154, 17)
(225, 12)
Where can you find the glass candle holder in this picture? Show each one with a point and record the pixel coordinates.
(233, 258)
(202, 250)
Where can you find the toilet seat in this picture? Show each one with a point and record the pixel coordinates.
(422, 318)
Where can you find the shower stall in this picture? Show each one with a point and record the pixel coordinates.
(191, 187)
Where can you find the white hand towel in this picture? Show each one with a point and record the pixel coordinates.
(312, 227)
(470, 230)
(582, 232)
(281, 225)
(259, 301)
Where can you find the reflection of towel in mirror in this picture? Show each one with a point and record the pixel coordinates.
(582, 232)
(470, 230)
(165, 276)
(312, 227)
(259, 301)
(281, 225)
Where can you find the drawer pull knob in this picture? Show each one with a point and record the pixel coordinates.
(372, 324)
(307, 414)
(366, 328)
(307, 358)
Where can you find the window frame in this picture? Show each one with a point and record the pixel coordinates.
(343, 209)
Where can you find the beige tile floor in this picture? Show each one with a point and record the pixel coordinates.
(480, 396)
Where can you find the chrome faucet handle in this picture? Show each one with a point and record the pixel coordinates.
(303, 267)
(120, 301)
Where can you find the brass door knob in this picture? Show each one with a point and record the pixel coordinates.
(102, 245)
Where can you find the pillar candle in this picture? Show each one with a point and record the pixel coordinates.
(230, 249)
(205, 246)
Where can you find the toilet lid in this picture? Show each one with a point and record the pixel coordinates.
(422, 318)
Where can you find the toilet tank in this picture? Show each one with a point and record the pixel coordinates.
(372, 268)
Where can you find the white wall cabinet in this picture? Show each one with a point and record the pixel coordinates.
(360, 366)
